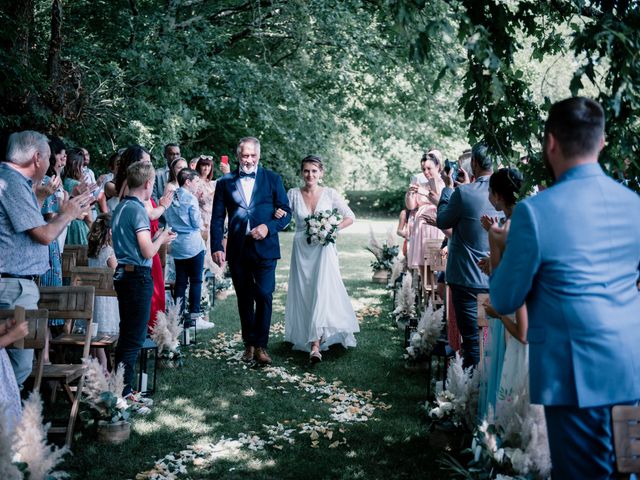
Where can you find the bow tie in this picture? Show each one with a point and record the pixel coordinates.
(247, 175)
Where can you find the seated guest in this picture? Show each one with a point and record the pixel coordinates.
(134, 248)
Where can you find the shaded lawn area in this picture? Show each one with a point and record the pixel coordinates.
(212, 397)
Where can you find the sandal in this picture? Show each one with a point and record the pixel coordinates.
(315, 356)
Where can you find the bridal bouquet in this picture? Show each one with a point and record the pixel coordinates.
(322, 227)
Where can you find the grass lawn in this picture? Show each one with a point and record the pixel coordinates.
(226, 409)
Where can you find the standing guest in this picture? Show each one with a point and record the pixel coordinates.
(134, 248)
(175, 167)
(204, 194)
(461, 210)
(100, 254)
(88, 176)
(109, 192)
(318, 313)
(171, 152)
(573, 254)
(73, 176)
(250, 196)
(183, 216)
(423, 197)
(131, 155)
(24, 233)
(57, 162)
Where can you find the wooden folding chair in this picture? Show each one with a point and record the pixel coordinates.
(69, 303)
(434, 262)
(69, 259)
(81, 252)
(101, 279)
(35, 339)
(626, 438)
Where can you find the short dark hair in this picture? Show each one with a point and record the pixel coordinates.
(577, 124)
(480, 153)
(186, 174)
(507, 182)
(168, 145)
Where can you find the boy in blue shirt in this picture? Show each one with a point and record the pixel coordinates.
(134, 249)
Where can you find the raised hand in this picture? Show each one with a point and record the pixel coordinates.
(486, 221)
(225, 168)
(78, 206)
(167, 198)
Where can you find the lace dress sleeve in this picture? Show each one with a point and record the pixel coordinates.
(339, 203)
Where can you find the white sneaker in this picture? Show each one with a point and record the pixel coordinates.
(202, 324)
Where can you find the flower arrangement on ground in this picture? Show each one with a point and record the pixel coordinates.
(515, 445)
(28, 456)
(422, 341)
(405, 299)
(103, 394)
(385, 254)
(321, 228)
(457, 401)
(167, 331)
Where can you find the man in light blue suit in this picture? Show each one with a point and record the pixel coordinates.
(573, 254)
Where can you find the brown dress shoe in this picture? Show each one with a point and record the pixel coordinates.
(247, 356)
(262, 356)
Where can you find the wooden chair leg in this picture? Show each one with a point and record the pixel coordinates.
(74, 412)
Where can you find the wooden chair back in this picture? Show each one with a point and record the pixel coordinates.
(70, 303)
(69, 259)
(81, 252)
(100, 278)
(434, 262)
(35, 339)
(626, 437)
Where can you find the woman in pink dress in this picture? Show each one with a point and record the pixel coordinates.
(424, 197)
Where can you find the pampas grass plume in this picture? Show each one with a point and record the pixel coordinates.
(8, 471)
(30, 442)
(167, 329)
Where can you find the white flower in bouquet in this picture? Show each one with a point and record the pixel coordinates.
(30, 443)
(320, 230)
(334, 220)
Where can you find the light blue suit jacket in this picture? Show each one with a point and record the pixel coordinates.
(573, 253)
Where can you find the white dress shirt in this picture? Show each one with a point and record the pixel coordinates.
(247, 184)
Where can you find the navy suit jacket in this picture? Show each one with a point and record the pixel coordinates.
(573, 253)
(461, 210)
(268, 195)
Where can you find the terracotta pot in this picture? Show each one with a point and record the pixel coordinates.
(381, 276)
(113, 433)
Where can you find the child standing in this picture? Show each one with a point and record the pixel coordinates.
(188, 251)
(101, 254)
(134, 249)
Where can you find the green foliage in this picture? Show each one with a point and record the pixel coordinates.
(325, 77)
(376, 203)
(598, 40)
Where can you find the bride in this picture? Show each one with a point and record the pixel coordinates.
(318, 311)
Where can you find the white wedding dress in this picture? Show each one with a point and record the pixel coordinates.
(318, 306)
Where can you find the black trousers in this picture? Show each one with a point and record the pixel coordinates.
(254, 280)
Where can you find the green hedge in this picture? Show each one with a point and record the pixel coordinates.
(384, 203)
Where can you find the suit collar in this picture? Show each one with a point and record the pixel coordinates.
(582, 171)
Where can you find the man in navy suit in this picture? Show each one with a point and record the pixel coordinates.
(573, 254)
(249, 196)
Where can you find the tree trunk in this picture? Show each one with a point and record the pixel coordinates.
(55, 44)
